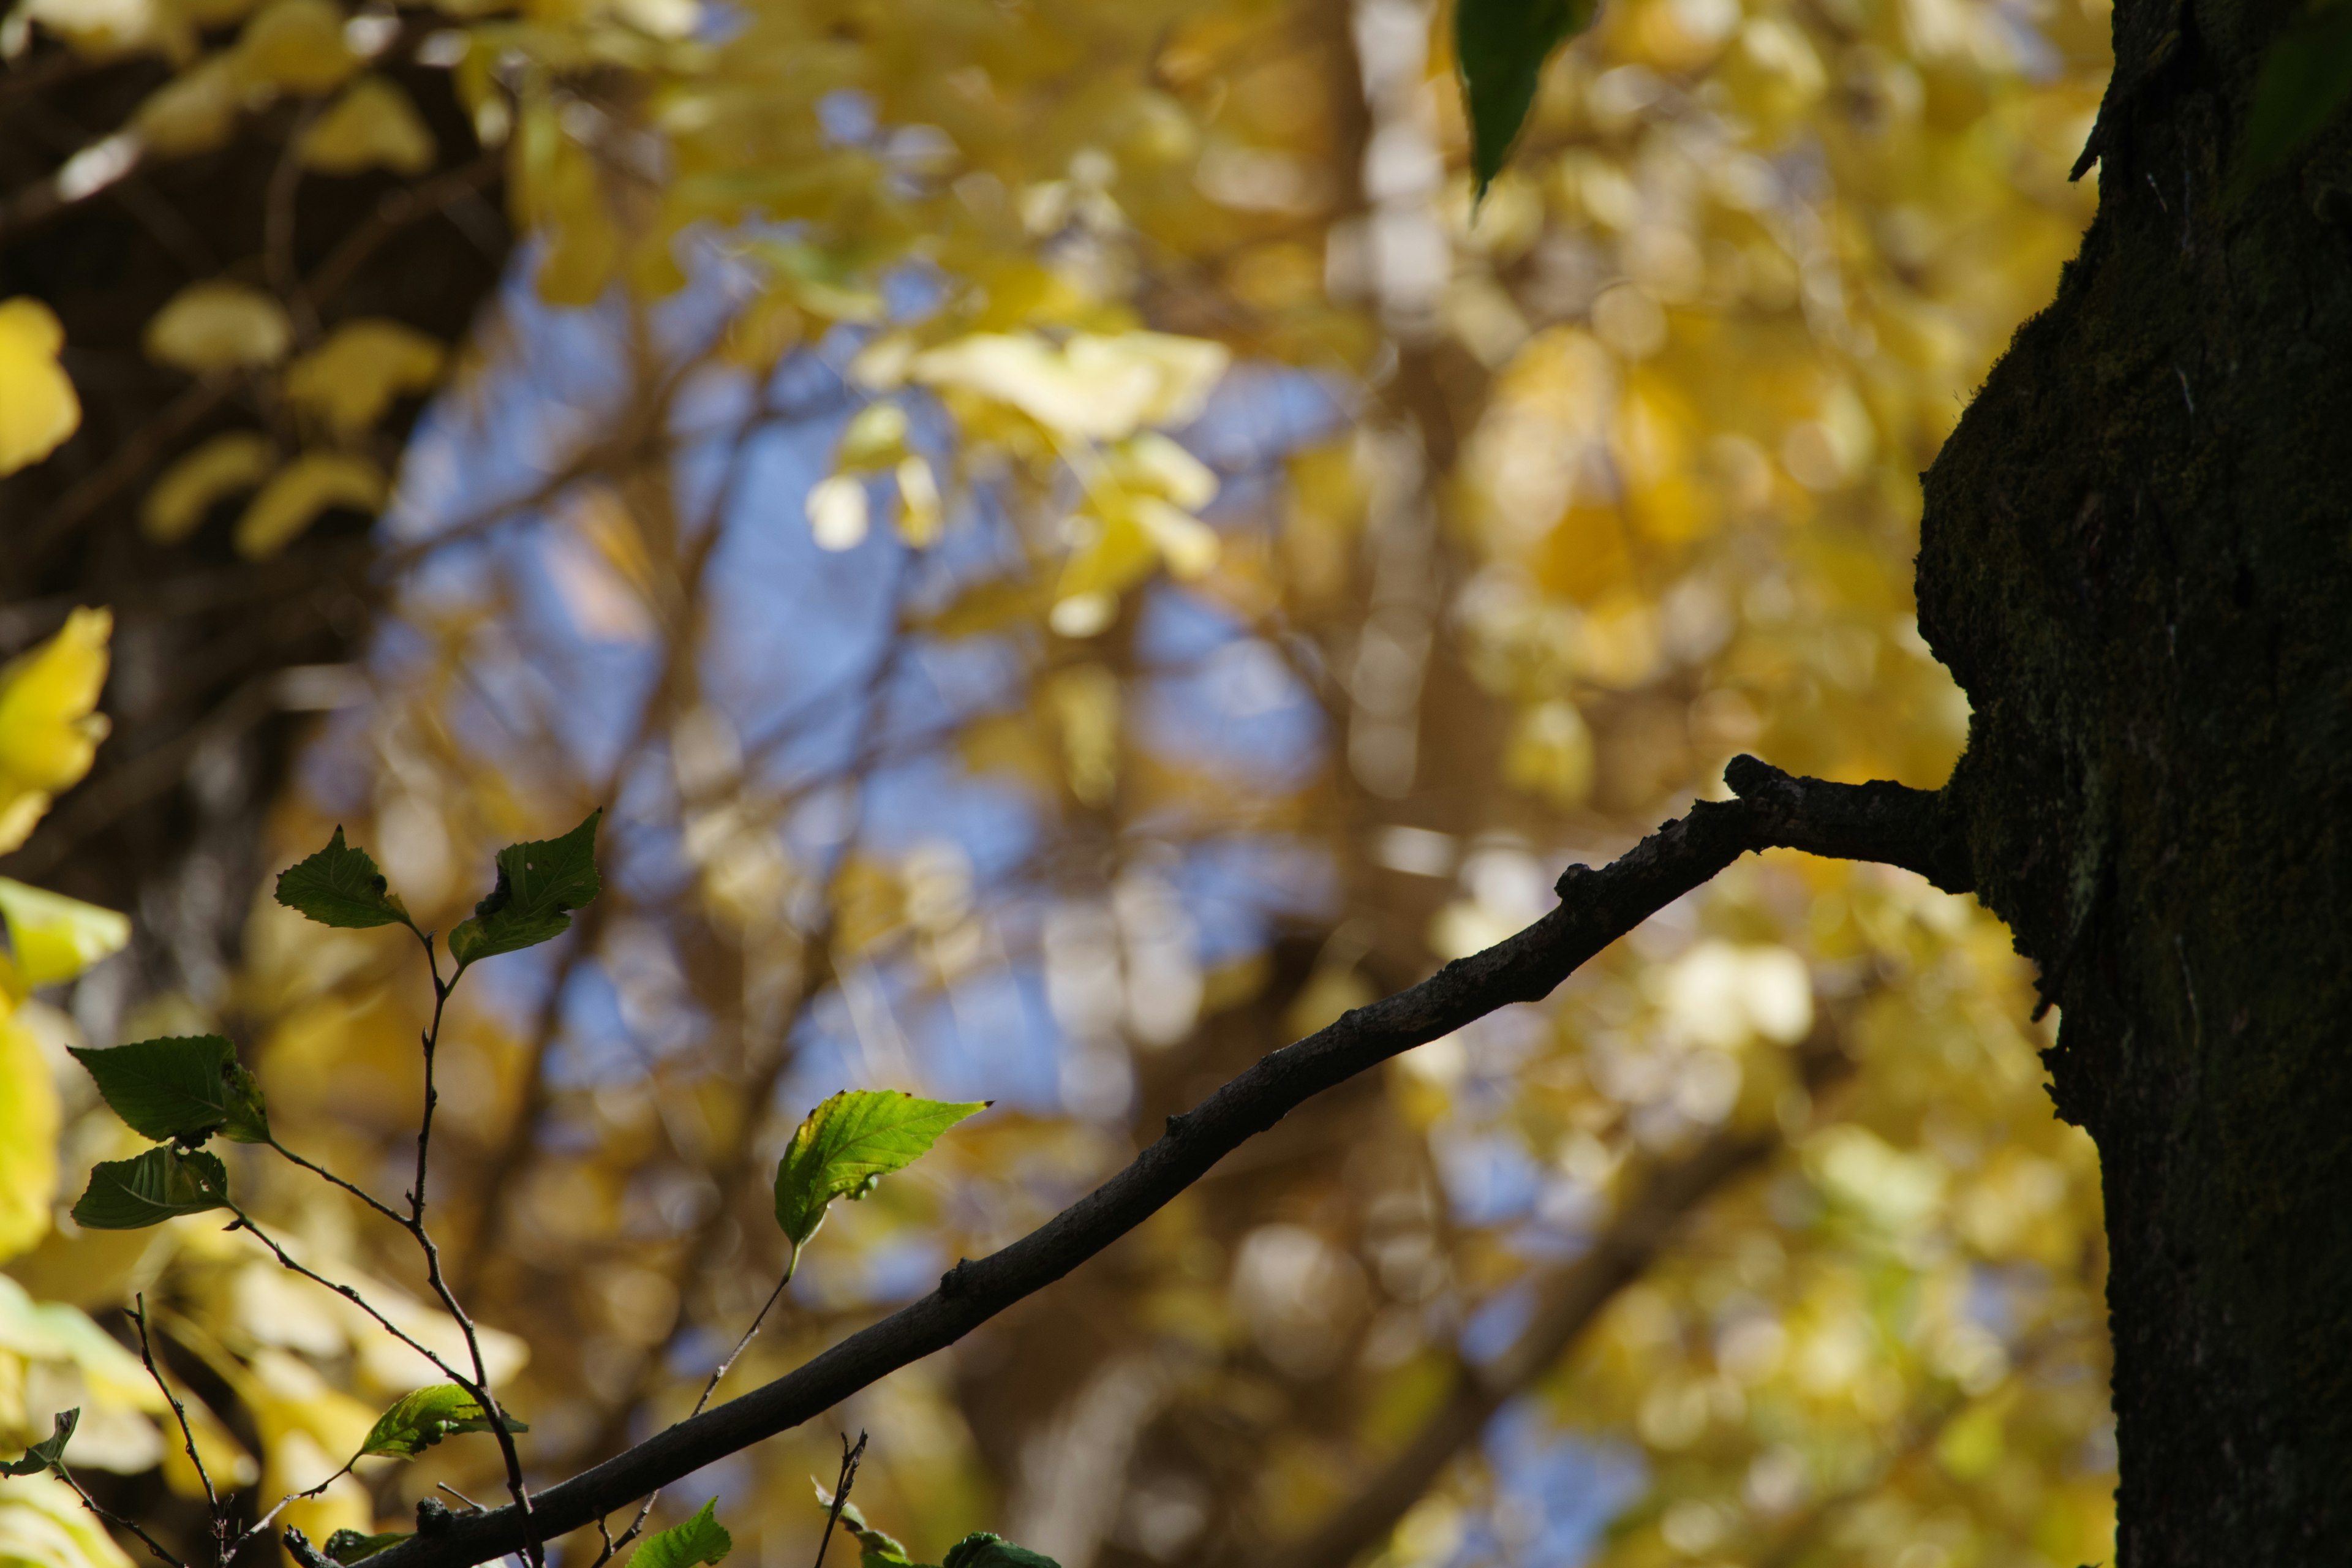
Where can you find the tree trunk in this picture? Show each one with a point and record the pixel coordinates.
(2136, 559)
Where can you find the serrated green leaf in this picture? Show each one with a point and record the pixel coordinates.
(2305, 82)
(539, 884)
(163, 1183)
(184, 1087)
(848, 1144)
(349, 1546)
(1501, 46)
(981, 1550)
(423, 1418)
(340, 886)
(700, 1540)
(50, 1452)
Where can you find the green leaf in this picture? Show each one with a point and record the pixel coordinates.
(875, 1549)
(163, 1183)
(2305, 82)
(539, 884)
(349, 1546)
(848, 1144)
(1501, 46)
(186, 1087)
(422, 1419)
(701, 1540)
(981, 1550)
(340, 886)
(48, 1454)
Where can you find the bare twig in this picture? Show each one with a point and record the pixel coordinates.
(116, 1519)
(1877, 821)
(849, 1458)
(179, 1411)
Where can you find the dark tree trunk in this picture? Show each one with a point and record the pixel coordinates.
(2137, 557)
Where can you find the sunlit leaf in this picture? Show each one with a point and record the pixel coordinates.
(52, 938)
(699, 1542)
(340, 886)
(298, 44)
(423, 1418)
(1502, 46)
(848, 1143)
(219, 325)
(299, 492)
(38, 406)
(29, 1116)
(184, 1087)
(539, 884)
(163, 1183)
(349, 380)
(48, 1454)
(48, 729)
(177, 501)
(374, 125)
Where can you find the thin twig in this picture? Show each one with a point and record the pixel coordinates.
(114, 1519)
(244, 1221)
(362, 1193)
(179, 1411)
(849, 1458)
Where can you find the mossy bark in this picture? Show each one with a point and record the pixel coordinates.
(2137, 557)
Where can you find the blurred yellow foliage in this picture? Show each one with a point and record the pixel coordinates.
(38, 406)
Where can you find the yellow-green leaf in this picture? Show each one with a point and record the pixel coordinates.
(48, 732)
(299, 491)
(848, 1143)
(52, 938)
(237, 461)
(347, 381)
(374, 125)
(217, 325)
(38, 406)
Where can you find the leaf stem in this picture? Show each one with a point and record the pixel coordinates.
(849, 1458)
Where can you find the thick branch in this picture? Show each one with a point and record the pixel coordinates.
(1877, 821)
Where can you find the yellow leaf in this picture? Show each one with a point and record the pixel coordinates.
(1119, 554)
(53, 938)
(38, 406)
(836, 512)
(1184, 542)
(875, 439)
(1086, 702)
(194, 112)
(297, 44)
(48, 731)
(100, 27)
(373, 125)
(1152, 462)
(219, 325)
(351, 378)
(919, 503)
(303, 489)
(28, 1145)
(1549, 753)
(1103, 387)
(586, 245)
(44, 1525)
(220, 467)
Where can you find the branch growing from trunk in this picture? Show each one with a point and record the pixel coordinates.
(1883, 822)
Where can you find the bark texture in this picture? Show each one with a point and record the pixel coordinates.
(2137, 557)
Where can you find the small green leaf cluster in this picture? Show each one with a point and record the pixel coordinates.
(423, 1418)
(48, 1454)
(981, 1548)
